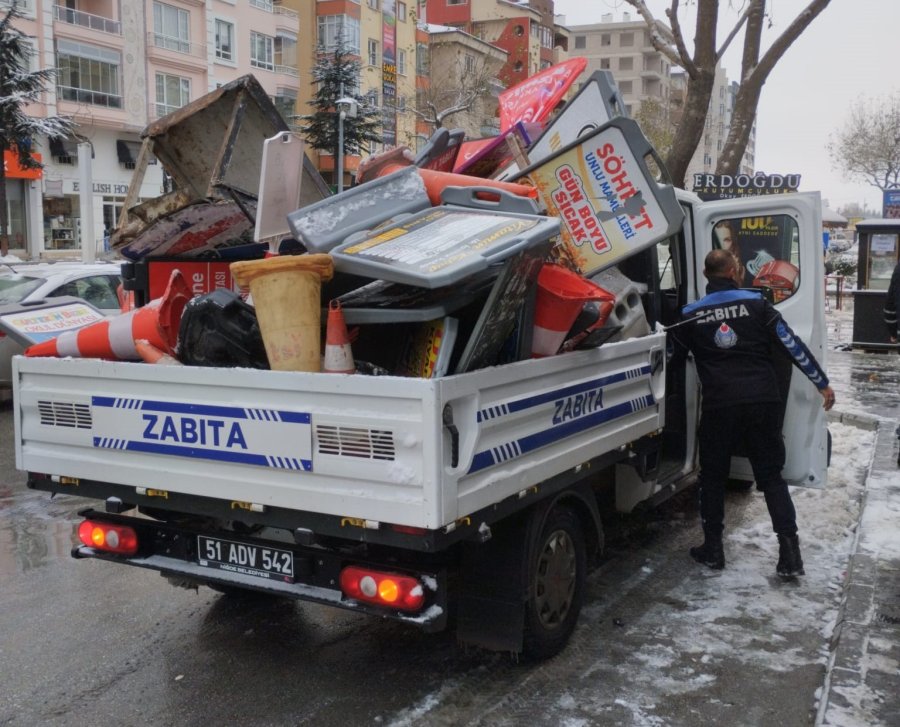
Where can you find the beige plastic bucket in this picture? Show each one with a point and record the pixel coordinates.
(286, 293)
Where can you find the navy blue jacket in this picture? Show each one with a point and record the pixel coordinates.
(734, 335)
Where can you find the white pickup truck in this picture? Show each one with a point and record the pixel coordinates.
(472, 499)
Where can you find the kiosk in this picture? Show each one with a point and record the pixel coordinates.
(879, 251)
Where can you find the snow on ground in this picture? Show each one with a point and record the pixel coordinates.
(698, 635)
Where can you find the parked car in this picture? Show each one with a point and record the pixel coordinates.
(95, 283)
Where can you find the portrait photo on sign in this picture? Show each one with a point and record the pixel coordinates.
(767, 250)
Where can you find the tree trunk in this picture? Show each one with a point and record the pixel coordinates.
(690, 131)
(754, 74)
(4, 210)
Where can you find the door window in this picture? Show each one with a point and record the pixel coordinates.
(98, 290)
(767, 250)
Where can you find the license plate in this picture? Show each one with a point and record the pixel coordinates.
(246, 559)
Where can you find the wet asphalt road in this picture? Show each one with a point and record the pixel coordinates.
(87, 642)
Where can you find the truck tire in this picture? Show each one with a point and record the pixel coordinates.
(556, 584)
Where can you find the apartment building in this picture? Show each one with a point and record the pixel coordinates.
(463, 72)
(383, 34)
(641, 72)
(120, 65)
(624, 48)
(526, 30)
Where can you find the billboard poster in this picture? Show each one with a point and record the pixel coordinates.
(891, 204)
(534, 99)
(389, 72)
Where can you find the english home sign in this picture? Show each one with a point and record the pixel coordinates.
(99, 188)
(729, 186)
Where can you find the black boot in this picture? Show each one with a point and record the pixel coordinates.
(789, 561)
(711, 553)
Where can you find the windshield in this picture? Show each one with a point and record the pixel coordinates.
(14, 287)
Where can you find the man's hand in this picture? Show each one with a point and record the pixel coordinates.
(827, 394)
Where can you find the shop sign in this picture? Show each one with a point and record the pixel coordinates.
(729, 186)
(891, 206)
(13, 170)
(73, 187)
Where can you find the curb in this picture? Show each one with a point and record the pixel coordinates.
(849, 638)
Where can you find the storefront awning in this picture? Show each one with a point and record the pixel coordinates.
(60, 147)
(128, 152)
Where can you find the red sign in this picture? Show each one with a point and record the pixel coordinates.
(203, 277)
(14, 171)
(536, 97)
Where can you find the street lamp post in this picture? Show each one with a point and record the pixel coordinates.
(346, 107)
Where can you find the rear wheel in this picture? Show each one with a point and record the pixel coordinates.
(556, 584)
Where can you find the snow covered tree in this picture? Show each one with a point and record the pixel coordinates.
(700, 68)
(336, 75)
(20, 87)
(867, 147)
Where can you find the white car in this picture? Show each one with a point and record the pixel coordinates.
(95, 283)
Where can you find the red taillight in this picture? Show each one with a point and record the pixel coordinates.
(404, 593)
(109, 538)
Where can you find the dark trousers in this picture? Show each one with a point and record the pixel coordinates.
(758, 427)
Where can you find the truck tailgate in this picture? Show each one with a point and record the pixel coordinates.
(378, 448)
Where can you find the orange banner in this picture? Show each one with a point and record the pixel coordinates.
(14, 171)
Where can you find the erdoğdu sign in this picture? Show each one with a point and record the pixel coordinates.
(535, 98)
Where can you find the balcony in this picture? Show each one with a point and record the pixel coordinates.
(85, 96)
(173, 51)
(273, 7)
(86, 20)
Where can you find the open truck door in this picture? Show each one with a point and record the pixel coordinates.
(778, 239)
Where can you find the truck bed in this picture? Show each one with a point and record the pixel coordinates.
(414, 452)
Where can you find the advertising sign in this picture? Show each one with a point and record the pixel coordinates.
(536, 97)
(891, 204)
(13, 170)
(609, 202)
(729, 186)
(30, 324)
(389, 72)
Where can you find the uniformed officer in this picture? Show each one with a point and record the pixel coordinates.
(734, 335)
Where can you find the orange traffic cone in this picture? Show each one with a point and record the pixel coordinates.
(435, 182)
(114, 338)
(151, 354)
(338, 354)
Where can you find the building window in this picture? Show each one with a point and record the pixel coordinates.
(224, 40)
(625, 86)
(172, 92)
(401, 61)
(421, 59)
(285, 100)
(518, 67)
(626, 63)
(580, 42)
(373, 52)
(457, 2)
(372, 4)
(605, 39)
(626, 40)
(371, 99)
(604, 63)
(519, 31)
(171, 28)
(332, 27)
(262, 51)
(401, 12)
(286, 52)
(401, 103)
(87, 74)
(469, 63)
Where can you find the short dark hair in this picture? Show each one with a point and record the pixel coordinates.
(719, 264)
